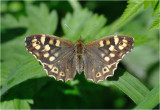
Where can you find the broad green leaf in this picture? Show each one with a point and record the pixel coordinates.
(83, 23)
(26, 69)
(130, 85)
(40, 20)
(16, 104)
(156, 7)
(35, 23)
(133, 8)
(156, 24)
(151, 99)
(143, 61)
(150, 2)
(75, 4)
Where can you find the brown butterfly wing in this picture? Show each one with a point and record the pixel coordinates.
(104, 52)
(110, 49)
(53, 53)
(96, 70)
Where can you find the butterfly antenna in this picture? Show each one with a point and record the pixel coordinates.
(68, 27)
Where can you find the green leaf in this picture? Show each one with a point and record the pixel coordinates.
(28, 68)
(83, 23)
(130, 85)
(151, 99)
(38, 20)
(75, 4)
(156, 24)
(143, 61)
(133, 8)
(156, 7)
(16, 104)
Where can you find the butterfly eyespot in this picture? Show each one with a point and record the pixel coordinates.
(37, 42)
(98, 74)
(105, 70)
(55, 70)
(120, 43)
(62, 74)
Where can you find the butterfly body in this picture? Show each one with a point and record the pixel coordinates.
(62, 58)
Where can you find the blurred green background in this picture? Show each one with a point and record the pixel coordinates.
(24, 83)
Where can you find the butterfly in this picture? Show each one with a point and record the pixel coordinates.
(61, 58)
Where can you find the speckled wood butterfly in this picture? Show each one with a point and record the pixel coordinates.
(61, 58)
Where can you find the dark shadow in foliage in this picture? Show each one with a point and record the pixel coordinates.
(118, 73)
(48, 93)
(150, 70)
(106, 8)
(9, 34)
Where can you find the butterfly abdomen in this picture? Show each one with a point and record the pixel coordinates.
(79, 55)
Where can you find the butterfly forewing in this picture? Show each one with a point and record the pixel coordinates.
(54, 53)
(110, 49)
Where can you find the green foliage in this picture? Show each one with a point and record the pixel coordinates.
(130, 86)
(156, 23)
(151, 99)
(18, 66)
(16, 104)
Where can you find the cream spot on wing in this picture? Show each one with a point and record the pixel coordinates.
(124, 41)
(47, 47)
(37, 54)
(124, 44)
(102, 54)
(120, 54)
(50, 66)
(62, 74)
(34, 44)
(51, 42)
(107, 59)
(92, 70)
(111, 48)
(46, 55)
(43, 39)
(101, 43)
(34, 40)
(57, 43)
(38, 47)
(55, 70)
(51, 58)
(116, 40)
(108, 42)
(105, 70)
(121, 47)
(56, 54)
(98, 74)
(109, 66)
(112, 55)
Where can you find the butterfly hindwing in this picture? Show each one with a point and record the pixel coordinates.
(64, 69)
(96, 70)
(53, 53)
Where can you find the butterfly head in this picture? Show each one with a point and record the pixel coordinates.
(80, 40)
